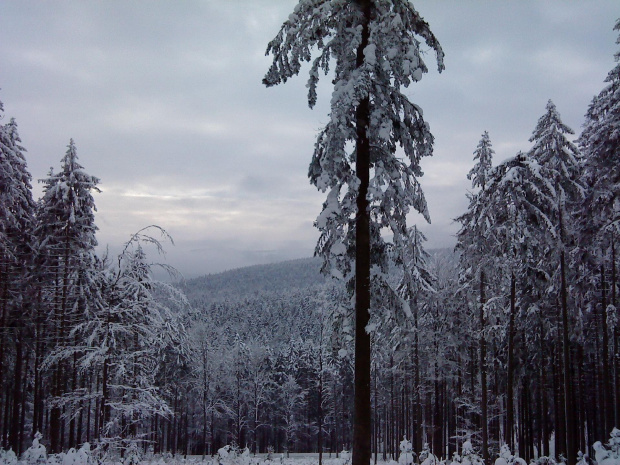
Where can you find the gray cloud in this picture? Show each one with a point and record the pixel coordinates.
(166, 106)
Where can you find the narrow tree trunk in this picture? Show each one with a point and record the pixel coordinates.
(510, 380)
(568, 396)
(320, 402)
(4, 299)
(24, 402)
(483, 374)
(544, 450)
(417, 396)
(392, 429)
(376, 421)
(607, 395)
(17, 391)
(362, 424)
(616, 348)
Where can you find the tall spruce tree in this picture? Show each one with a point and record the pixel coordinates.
(559, 159)
(600, 145)
(66, 240)
(16, 286)
(377, 52)
(474, 241)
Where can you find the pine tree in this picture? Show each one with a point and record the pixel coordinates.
(600, 145)
(559, 159)
(66, 239)
(479, 174)
(16, 284)
(127, 336)
(474, 241)
(369, 188)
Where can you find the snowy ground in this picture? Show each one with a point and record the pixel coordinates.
(261, 459)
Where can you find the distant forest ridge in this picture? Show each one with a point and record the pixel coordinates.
(300, 273)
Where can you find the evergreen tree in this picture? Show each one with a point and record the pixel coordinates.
(377, 52)
(66, 239)
(474, 241)
(479, 174)
(16, 285)
(600, 145)
(560, 162)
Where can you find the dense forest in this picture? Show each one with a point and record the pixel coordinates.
(511, 339)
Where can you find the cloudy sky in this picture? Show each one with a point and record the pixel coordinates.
(165, 103)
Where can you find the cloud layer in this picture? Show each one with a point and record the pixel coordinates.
(166, 106)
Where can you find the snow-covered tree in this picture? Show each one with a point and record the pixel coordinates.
(291, 396)
(377, 52)
(559, 159)
(473, 242)
(66, 239)
(123, 339)
(600, 225)
(17, 293)
(484, 152)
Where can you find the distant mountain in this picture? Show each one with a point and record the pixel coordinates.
(285, 276)
(253, 280)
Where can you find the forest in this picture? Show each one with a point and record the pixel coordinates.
(511, 341)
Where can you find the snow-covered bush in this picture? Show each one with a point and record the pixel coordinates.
(8, 457)
(604, 456)
(426, 457)
(614, 443)
(406, 452)
(36, 454)
(544, 460)
(468, 455)
(507, 458)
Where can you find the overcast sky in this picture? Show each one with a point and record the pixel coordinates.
(165, 103)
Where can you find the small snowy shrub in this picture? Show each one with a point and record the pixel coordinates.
(468, 455)
(544, 460)
(426, 457)
(133, 454)
(406, 452)
(8, 457)
(36, 453)
(611, 456)
(614, 443)
(506, 458)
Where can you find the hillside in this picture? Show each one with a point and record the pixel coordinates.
(252, 280)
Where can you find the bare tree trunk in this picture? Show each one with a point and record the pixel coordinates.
(607, 398)
(320, 401)
(362, 424)
(616, 349)
(568, 392)
(510, 381)
(417, 397)
(22, 420)
(483, 374)
(17, 391)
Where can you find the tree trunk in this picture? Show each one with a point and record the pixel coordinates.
(362, 424)
(510, 380)
(568, 397)
(483, 374)
(417, 397)
(616, 347)
(608, 410)
(17, 391)
(22, 420)
(320, 402)
(544, 431)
